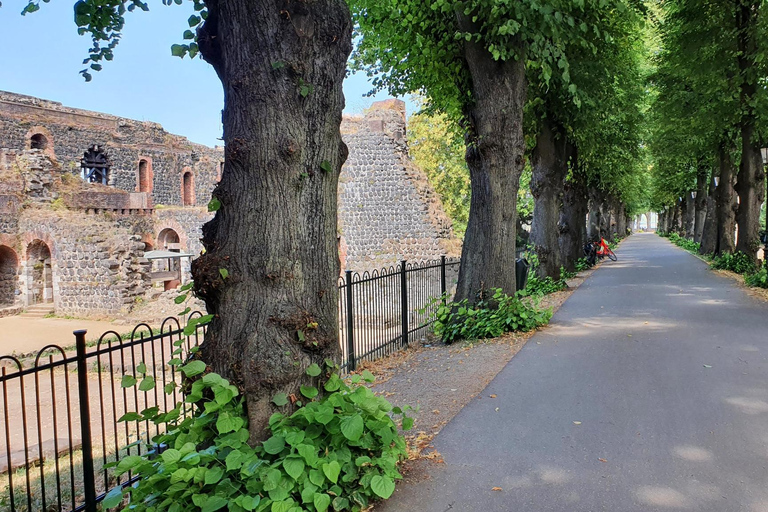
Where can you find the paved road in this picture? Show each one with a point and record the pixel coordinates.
(664, 366)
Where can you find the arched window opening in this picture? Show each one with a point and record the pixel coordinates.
(188, 189)
(145, 176)
(39, 273)
(95, 166)
(9, 267)
(38, 141)
(168, 240)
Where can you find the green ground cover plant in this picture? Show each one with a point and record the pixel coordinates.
(685, 243)
(338, 451)
(736, 262)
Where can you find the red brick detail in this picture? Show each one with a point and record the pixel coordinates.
(145, 176)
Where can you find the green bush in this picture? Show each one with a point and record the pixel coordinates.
(738, 262)
(339, 452)
(758, 278)
(686, 243)
(539, 286)
(582, 264)
(487, 318)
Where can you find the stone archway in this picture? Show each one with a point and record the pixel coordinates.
(168, 240)
(9, 269)
(39, 273)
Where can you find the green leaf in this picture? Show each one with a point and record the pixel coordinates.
(214, 204)
(294, 466)
(130, 416)
(178, 50)
(407, 423)
(280, 399)
(113, 498)
(214, 503)
(170, 456)
(213, 475)
(224, 273)
(301, 336)
(249, 503)
(326, 166)
(274, 445)
(309, 391)
(313, 370)
(181, 298)
(368, 376)
(321, 501)
(333, 384)
(352, 427)
(383, 486)
(128, 381)
(316, 477)
(147, 384)
(193, 368)
(331, 470)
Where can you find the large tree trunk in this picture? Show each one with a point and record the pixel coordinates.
(550, 166)
(572, 225)
(661, 224)
(605, 219)
(701, 201)
(749, 184)
(726, 204)
(495, 147)
(689, 216)
(593, 222)
(675, 223)
(275, 232)
(621, 221)
(709, 235)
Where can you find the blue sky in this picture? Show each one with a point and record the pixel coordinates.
(41, 54)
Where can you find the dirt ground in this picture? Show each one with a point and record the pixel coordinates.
(24, 335)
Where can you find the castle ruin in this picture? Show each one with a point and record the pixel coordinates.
(98, 212)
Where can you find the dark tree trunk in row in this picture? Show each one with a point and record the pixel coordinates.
(701, 201)
(621, 221)
(749, 184)
(573, 228)
(661, 223)
(593, 222)
(275, 232)
(605, 219)
(676, 223)
(550, 166)
(726, 203)
(689, 216)
(709, 234)
(495, 147)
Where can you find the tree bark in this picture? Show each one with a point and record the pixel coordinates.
(750, 182)
(281, 65)
(726, 203)
(709, 234)
(701, 201)
(495, 147)
(689, 216)
(605, 219)
(593, 225)
(572, 225)
(550, 166)
(621, 221)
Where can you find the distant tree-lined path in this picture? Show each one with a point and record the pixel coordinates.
(649, 391)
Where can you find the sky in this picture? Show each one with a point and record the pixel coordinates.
(41, 55)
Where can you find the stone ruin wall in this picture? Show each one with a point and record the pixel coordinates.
(97, 234)
(388, 211)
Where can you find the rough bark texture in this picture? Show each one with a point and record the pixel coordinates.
(593, 222)
(550, 166)
(700, 202)
(495, 147)
(621, 221)
(282, 65)
(605, 219)
(689, 216)
(726, 204)
(572, 225)
(749, 184)
(709, 234)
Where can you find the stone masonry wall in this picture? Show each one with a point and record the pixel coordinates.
(387, 209)
(70, 132)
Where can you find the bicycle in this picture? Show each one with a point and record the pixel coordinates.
(598, 250)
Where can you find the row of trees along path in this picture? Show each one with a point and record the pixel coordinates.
(575, 91)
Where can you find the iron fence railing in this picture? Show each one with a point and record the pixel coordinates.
(61, 407)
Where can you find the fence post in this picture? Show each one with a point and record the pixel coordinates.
(404, 302)
(89, 477)
(442, 278)
(350, 326)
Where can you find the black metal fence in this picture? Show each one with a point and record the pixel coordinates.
(380, 312)
(61, 406)
(60, 412)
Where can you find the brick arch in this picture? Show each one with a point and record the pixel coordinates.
(9, 271)
(44, 132)
(174, 225)
(145, 176)
(39, 283)
(30, 236)
(188, 197)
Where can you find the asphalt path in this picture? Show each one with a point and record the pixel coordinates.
(649, 391)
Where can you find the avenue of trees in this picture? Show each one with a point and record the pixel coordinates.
(609, 108)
